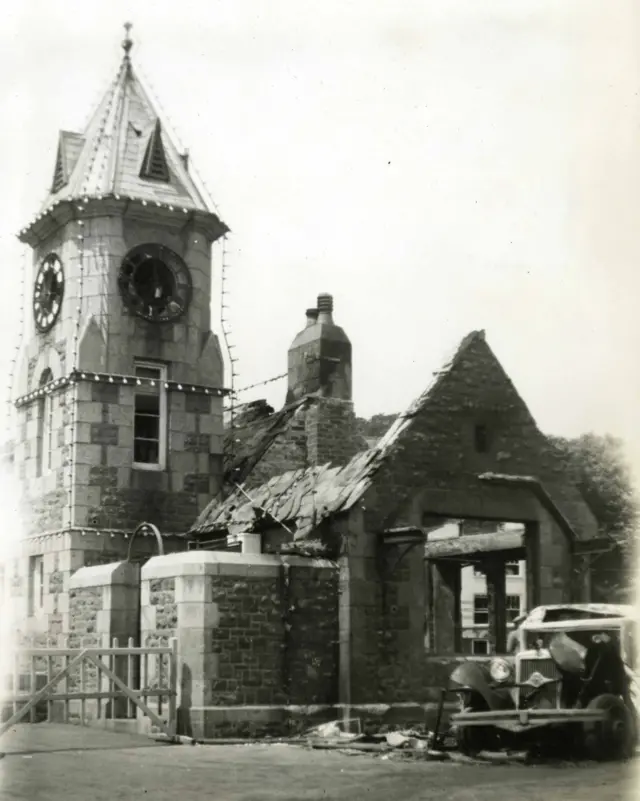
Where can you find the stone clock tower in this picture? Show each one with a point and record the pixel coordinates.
(120, 390)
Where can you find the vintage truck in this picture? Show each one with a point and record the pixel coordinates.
(572, 683)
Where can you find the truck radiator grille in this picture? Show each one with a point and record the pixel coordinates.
(549, 695)
(546, 667)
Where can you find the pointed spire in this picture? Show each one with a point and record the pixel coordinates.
(154, 163)
(126, 151)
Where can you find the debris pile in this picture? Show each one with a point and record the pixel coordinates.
(347, 737)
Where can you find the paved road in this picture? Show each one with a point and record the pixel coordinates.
(64, 763)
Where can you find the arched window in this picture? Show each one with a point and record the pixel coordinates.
(44, 425)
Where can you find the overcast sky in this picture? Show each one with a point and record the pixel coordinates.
(437, 166)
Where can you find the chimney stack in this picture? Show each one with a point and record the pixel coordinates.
(319, 363)
(320, 356)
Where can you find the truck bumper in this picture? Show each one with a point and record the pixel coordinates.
(520, 720)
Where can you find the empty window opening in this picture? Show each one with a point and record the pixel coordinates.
(150, 417)
(45, 427)
(479, 647)
(481, 438)
(36, 584)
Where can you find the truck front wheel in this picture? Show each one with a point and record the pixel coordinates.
(613, 737)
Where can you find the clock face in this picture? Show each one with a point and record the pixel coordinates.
(155, 283)
(48, 292)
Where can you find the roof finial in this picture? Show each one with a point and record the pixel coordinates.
(127, 43)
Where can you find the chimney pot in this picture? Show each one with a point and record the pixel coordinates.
(312, 316)
(325, 302)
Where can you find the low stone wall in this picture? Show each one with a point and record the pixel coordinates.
(257, 636)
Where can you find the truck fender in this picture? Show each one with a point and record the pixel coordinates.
(476, 677)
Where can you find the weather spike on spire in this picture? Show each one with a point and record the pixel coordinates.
(127, 43)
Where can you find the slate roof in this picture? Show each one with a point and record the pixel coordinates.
(304, 497)
(106, 158)
(255, 431)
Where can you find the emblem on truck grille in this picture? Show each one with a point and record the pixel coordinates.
(536, 680)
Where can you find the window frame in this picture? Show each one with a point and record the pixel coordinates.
(509, 609)
(161, 464)
(518, 565)
(484, 642)
(484, 611)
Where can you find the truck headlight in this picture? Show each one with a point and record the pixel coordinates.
(500, 669)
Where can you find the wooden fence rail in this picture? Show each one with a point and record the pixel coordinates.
(116, 682)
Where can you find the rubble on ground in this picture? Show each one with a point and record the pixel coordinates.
(348, 737)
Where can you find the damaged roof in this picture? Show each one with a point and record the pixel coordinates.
(256, 428)
(309, 495)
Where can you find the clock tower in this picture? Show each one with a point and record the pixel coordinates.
(120, 390)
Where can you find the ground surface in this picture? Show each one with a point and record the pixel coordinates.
(66, 763)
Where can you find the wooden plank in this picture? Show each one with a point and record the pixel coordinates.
(130, 693)
(60, 652)
(40, 694)
(131, 710)
(65, 715)
(83, 688)
(32, 687)
(173, 687)
(90, 695)
(49, 703)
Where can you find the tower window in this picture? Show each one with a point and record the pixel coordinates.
(36, 584)
(481, 438)
(45, 427)
(150, 417)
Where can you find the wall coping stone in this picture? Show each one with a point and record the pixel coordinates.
(198, 563)
(104, 575)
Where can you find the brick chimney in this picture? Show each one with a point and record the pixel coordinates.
(319, 363)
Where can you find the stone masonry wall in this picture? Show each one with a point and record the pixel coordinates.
(439, 449)
(331, 432)
(112, 494)
(254, 636)
(92, 423)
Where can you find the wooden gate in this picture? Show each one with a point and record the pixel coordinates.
(94, 683)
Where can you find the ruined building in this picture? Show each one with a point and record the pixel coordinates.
(298, 572)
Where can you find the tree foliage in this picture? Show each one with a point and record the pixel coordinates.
(601, 471)
(376, 426)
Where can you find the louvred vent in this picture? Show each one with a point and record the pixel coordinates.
(59, 177)
(154, 164)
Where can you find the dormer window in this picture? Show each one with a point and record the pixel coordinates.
(59, 175)
(154, 163)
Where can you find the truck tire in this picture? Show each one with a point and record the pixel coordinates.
(612, 738)
(473, 739)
